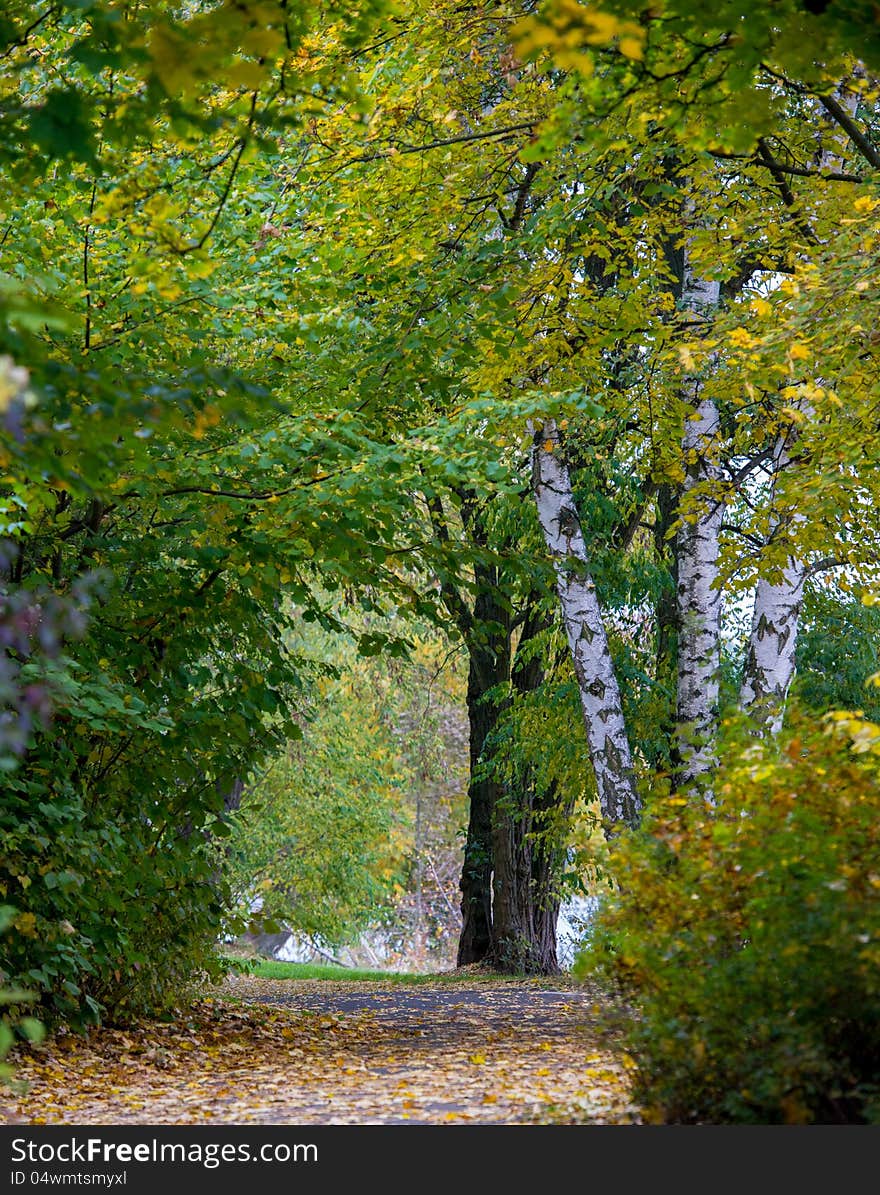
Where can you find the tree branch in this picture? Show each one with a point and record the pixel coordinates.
(839, 114)
(405, 148)
(832, 176)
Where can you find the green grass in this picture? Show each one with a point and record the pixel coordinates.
(269, 969)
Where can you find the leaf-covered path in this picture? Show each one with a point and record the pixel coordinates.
(287, 1052)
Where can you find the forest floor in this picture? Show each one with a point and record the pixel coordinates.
(268, 1051)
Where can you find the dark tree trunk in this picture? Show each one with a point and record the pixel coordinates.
(525, 887)
(483, 791)
(489, 651)
(232, 794)
(510, 877)
(528, 849)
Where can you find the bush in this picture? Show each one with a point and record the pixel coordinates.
(114, 815)
(12, 1026)
(106, 926)
(748, 936)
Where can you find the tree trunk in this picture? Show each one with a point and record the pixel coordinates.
(582, 618)
(697, 545)
(771, 651)
(525, 884)
(489, 665)
(666, 652)
(528, 847)
(770, 654)
(666, 618)
(475, 942)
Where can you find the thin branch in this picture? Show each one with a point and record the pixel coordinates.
(737, 478)
(831, 176)
(732, 528)
(242, 146)
(22, 38)
(785, 190)
(157, 314)
(241, 495)
(838, 113)
(820, 566)
(209, 581)
(623, 534)
(460, 138)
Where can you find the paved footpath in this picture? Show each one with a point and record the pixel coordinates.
(289, 1052)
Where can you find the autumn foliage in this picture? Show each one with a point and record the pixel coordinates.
(748, 932)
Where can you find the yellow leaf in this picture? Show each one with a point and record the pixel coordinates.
(26, 924)
(631, 47)
(172, 59)
(794, 414)
(741, 338)
(604, 27)
(548, 445)
(865, 204)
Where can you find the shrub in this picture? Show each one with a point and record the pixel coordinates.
(748, 936)
(106, 926)
(12, 1026)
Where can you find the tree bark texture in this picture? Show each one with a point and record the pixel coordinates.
(582, 617)
(489, 666)
(528, 849)
(697, 547)
(770, 652)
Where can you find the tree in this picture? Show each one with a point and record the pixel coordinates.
(137, 459)
(558, 233)
(550, 281)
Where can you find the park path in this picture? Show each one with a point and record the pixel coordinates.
(300, 1052)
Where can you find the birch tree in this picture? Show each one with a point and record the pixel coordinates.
(697, 550)
(771, 650)
(609, 747)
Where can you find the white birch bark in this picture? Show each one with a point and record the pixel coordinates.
(697, 547)
(582, 617)
(770, 653)
(771, 650)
